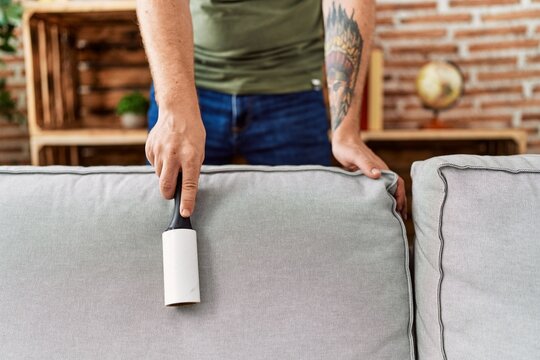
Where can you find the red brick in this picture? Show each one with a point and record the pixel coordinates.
(425, 49)
(389, 106)
(5, 73)
(399, 92)
(501, 45)
(412, 77)
(384, 20)
(494, 90)
(533, 59)
(507, 30)
(412, 34)
(437, 18)
(520, 103)
(12, 59)
(513, 15)
(508, 75)
(530, 116)
(10, 86)
(398, 5)
(487, 61)
(455, 3)
(403, 64)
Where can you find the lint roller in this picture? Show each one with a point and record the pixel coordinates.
(180, 261)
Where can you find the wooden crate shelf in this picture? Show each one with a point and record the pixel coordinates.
(81, 58)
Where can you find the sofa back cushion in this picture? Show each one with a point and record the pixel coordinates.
(477, 252)
(295, 263)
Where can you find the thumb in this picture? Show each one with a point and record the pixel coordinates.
(369, 168)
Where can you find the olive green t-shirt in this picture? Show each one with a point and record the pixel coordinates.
(257, 46)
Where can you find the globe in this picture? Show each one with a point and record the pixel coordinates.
(439, 85)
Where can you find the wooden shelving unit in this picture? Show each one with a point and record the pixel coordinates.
(81, 57)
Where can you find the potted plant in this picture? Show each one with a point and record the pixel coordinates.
(132, 110)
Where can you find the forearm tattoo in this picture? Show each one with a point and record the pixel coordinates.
(343, 51)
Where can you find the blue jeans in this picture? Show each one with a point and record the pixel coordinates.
(280, 129)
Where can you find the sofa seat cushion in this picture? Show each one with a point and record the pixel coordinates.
(295, 263)
(477, 252)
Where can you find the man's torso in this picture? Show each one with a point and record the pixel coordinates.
(257, 46)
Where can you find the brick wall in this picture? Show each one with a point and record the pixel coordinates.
(14, 147)
(495, 42)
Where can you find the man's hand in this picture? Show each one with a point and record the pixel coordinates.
(177, 140)
(172, 146)
(354, 154)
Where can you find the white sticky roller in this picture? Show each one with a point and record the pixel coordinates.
(180, 267)
(180, 258)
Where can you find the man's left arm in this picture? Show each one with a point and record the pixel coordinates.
(349, 27)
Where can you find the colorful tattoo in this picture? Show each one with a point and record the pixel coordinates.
(343, 51)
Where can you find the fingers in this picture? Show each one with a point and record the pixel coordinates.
(190, 184)
(401, 198)
(167, 179)
(405, 209)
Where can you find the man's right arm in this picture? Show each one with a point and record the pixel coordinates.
(177, 140)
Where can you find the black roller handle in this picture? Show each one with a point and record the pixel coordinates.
(177, 221)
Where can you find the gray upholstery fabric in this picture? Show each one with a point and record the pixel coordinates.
(295, 263)
(477, 257)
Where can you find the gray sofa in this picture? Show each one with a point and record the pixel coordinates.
(295, 263)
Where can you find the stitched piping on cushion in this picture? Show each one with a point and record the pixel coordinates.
(334, 170)
(407, 273)
(215, 170)
(441, 238)
(441, 272)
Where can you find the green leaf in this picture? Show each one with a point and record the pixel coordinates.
(14, 14)
(3, 17)
(10, 17)
(7, 48)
